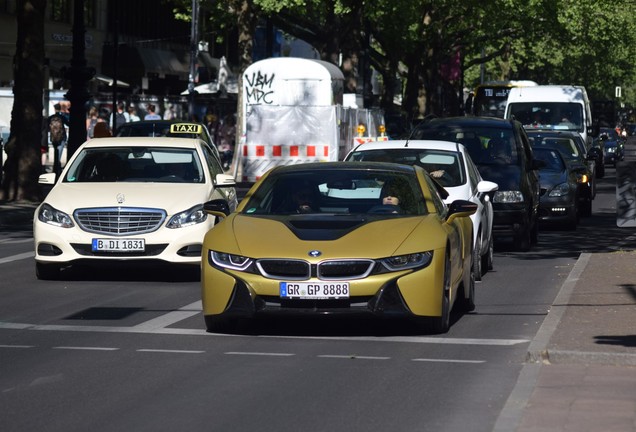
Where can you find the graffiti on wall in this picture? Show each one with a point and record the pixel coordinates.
(258, 88)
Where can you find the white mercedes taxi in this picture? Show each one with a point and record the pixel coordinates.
(129, 199)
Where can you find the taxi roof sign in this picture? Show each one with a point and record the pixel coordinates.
(194, 128)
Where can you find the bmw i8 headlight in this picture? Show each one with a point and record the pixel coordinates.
(230, 261)
(52, 216)
(410, 261)
(192, 216)
(513, 196)
(560, 190)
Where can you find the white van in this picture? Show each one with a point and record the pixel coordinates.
(552, 107)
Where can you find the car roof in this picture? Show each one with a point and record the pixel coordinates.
(143, 141)
(407, 144)
(362, 166)
(470, 121)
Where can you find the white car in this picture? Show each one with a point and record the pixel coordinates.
(449, 164)
(129, 199)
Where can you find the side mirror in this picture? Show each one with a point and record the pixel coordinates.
(47, 179)
(460, 208)
(217, 207)
(224, 180)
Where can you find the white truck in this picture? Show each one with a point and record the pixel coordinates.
(291, 111)
(552, 107)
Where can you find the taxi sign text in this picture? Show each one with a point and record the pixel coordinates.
(185, 128)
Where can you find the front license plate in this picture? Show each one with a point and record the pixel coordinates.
(118, 245)
(314, 290)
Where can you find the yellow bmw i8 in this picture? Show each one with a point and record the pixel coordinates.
(339, 237)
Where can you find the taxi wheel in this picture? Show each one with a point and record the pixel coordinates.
(47, 271)
(220, 324)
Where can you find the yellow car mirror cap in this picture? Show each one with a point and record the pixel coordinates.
(217, 207)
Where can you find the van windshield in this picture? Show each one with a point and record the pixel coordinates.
(548, 115)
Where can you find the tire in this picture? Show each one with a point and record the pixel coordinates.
(467, 304)
(488, 258)
(220, 324)
(47, 271)
(586, 208)
(522, 241)
(477, 267)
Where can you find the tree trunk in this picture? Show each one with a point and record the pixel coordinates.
(23, 165)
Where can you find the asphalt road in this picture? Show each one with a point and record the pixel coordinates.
(125, 349)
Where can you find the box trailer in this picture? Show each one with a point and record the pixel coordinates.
(291, 111)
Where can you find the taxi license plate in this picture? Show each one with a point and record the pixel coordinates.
(314, 290)
(118, 245)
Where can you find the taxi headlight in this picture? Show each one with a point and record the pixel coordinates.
(192, 216)
(230, 261)
(52, 216)
(560, 190)
(513, 196)
(410, 261)
(611, 149)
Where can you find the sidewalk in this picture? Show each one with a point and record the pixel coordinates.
(580, 373)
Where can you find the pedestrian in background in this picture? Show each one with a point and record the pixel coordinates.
(152, 113)
(57, 135)
(132, 114)
(91, 120)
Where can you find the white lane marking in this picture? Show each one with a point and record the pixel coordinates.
(447, 360)
(353, 357)
(87, 348)
(171, 317)
(16, 240)
(415, 339)
(170, 351)
(260, 354)
(17, 257)
(202, 332)
(17, 346)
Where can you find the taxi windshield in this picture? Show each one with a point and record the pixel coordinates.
(136, 164)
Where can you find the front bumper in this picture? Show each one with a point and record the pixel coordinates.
(510, 220)
(397, 294)
(55, 245)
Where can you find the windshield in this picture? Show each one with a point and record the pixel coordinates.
(338, 191)
(136, 164)
(485, 145)
(451, 163)
(566, 146)
(491, 101)
(548, 115)
(551, 159)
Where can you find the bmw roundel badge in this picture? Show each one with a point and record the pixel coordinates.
(315, 253)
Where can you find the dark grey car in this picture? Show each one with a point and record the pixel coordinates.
(501, 150)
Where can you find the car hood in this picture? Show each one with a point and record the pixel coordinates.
(172, 197)
(333, 235)
(508, 177)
